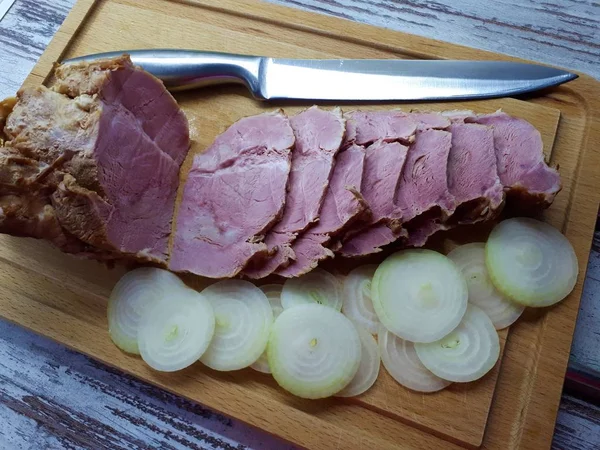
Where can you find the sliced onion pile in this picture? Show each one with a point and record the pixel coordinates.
(273, 293)
(314, 351)
(419, 295)
(356, 293)
(402, 363)
(470, 259)
(133, 293)
(317, 286)
(435, 316)
(467, 353)
(368, 370)
(243, 318)
(531, 262)
(175, 332)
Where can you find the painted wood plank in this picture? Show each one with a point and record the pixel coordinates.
(63, 399)
(5, 5)
(585, 350)
(559, 32)
(578, 425)
(24, 34)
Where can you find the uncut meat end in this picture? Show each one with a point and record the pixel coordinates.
(118, 81)
(106, 181)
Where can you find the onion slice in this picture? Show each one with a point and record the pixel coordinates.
(134, 292)
(402, 363)
(314, 351)
(356, 293)
(243, 319)
(175, 332)
(467, 353)
(317, 286)
(531, 262)
(419, 295)
(273, 293)
(261, 364)
(470, 259)
(368, 370)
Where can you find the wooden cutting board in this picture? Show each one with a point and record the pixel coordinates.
(512, 407)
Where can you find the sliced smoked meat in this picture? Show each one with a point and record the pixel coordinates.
(235, 191)
(319, 135)
(343, 205)
(383, 165)
(422, 196)
(527, 179)
(395, 209)
(366, 127)
(108, 178)
(473, 174)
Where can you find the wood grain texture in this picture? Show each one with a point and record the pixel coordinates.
(310, 5)
(578, 425)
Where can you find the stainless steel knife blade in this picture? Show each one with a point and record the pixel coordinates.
(344, 79)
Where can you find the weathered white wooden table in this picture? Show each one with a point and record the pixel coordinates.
(53, 398)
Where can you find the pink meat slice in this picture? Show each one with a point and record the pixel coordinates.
(235, 191)
(343, 204)
(528, 181)
(366, 127)
(423, 196)
(319, 135)
(383, 165)
(472, 174)
(387, 227)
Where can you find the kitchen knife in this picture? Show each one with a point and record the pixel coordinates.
(343, 79)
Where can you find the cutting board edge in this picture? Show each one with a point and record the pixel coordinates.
(581, 236)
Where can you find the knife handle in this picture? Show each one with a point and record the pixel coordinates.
(188, 69)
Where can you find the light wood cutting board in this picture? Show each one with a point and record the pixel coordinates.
(512, 407)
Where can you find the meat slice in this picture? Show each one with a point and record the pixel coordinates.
(473, 175)
(422, 195)
(234, 192)
(528, 181)
(319, 135)
(342, 206)
(366, 127)
(397, 208)
(105, 175)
